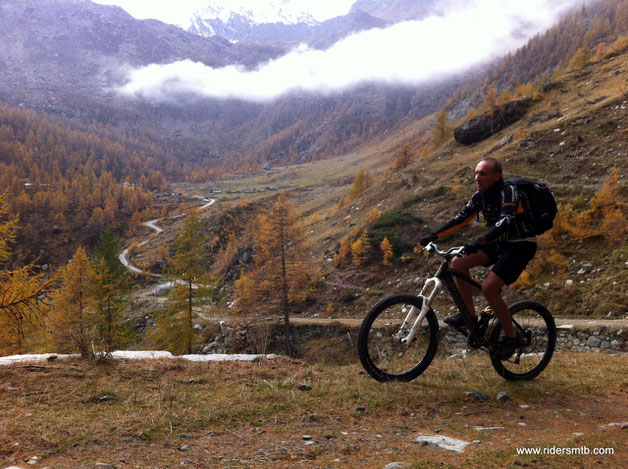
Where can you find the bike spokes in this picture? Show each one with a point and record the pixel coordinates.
(387, 349)
(535, 327)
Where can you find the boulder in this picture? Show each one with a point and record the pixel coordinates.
(242, 257)
(481, 127)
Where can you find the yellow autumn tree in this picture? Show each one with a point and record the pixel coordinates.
(441, 130)
(403, 159)
(344, 253)
(363, 180)
(387, 250)
(608, 205)
(360, 248)
(73, 323)
(21, 290)
(280, 278)
(580, 58)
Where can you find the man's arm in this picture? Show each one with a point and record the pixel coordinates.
(468, 213)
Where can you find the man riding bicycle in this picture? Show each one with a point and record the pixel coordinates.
(508, 246)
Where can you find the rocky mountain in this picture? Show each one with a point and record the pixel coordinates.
(62, 56)
(394, 11)
(240, 28)
(275, 25)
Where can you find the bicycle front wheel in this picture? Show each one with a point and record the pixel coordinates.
(383, 352)
(535, 323)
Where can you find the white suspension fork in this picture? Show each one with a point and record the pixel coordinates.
(412, 317)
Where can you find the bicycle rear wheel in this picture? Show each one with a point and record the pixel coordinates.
(382, 353)
(534, 322)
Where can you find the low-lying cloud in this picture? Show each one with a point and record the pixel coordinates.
(407, 53)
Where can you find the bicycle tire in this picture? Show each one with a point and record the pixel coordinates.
(383, 356)
(539, 326)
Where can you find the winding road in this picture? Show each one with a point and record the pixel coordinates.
(152, 224)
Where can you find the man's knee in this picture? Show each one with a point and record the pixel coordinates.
(459, 263)
(468, 262)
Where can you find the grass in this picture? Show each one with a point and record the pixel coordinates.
(231, 410)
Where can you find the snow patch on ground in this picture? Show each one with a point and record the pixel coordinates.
(141, 355)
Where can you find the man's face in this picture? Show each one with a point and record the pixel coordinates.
(485, 175)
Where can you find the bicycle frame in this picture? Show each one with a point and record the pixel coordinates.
(444, 277)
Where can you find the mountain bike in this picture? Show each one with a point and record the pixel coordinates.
(399, 336)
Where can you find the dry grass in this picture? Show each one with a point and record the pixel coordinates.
(256, 414)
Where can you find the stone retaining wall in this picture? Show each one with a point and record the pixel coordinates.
(268, 337)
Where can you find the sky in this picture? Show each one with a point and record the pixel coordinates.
(408, 53)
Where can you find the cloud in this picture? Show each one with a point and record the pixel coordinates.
(407, 53)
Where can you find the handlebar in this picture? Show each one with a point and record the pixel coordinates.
(455, 251)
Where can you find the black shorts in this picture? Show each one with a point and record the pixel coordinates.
(509, 258)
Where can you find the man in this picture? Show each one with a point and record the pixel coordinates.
(508, 246)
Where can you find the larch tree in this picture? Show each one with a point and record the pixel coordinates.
(280, 278)
(387, 250)
(73, 322)
(441, 130)
(21, 290)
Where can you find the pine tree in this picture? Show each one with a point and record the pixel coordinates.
(192, 285)
(110, 291)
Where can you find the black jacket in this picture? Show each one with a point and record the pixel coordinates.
(502, 209)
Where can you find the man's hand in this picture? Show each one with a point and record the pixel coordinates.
(473, 246)
(427, 239)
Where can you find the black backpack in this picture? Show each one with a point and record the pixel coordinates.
(538, 202)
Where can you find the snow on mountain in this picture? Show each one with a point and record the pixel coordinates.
(274, 11)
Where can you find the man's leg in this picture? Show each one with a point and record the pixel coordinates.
(491, 288)
(464, 265)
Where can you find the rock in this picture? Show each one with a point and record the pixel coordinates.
(443, 442)
(33, 460)
(622, 425)
(305, 387)
(483, 429)
(481, 127)
(104, 465)
(593, 341)
(108, 398)
(478, 396)
(552, 85)
(242, 257)
(307, 437)
(397, 465)
(503, 396)
(185, 448)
